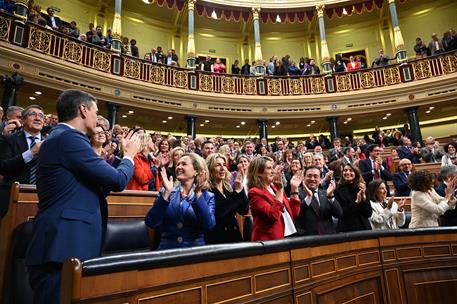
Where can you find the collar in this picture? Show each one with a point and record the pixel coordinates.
(27, 135)
(65, 124)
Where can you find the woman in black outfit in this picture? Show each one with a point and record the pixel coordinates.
(351, 194)
(228, 201)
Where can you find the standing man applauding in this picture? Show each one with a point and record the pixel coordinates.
(72, 185)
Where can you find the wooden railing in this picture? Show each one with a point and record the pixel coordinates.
(39, 39)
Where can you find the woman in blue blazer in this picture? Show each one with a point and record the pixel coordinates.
(184, 213)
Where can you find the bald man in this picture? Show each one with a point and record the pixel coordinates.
(400, 178)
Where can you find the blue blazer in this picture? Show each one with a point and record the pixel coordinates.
(401, 184)
(72, 210)
(182, 222)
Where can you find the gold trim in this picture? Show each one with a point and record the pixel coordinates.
(320, 10)
(191, 5)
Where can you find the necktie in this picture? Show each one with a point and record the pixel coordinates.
(33, 164)
(315, 204)
(376, 170)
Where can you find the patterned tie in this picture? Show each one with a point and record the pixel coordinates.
(315, 204)
(33, 164)
(376, 170)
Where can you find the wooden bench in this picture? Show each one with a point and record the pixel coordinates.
(430, 167)
(22, 207)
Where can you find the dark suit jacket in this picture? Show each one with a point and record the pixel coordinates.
(449, 218)
(72, 210)
(401, 184)
(49, 21)
(355, 216)
(308, 220)
(227, 206)
(12, 164)
(404, 152)
(367, 171)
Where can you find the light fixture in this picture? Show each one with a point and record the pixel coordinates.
(308, 125)
(207, 121)
(273, 127)
(388, 114)
(164, 121)
(243, 123)
(431, 108)
(278, 19)
(32, 98)
(345, 12)
(385, 117)
(124, 116)
(202, 125)
(349, 119)
(214, 15)
(38, 92)
(131, 112)
(313, 121)
(170, 117)
(237, 126)
(148, 1)
(277, 123)
(345, 122)
(428, 111)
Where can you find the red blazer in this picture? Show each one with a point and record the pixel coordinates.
(267, 214)
(142, 173)
(356, 67)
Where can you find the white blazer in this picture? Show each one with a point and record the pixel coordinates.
(383, 218)
(426, 208)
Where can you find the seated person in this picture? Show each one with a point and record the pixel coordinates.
(387, 214)
(400, 178)
(185, 212)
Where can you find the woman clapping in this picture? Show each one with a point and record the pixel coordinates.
(229, 201)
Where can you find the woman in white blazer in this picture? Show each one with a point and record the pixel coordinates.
(426, 204)
(387, 214)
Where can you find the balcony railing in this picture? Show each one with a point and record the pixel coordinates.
(58, 45)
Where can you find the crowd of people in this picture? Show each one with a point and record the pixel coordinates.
(284, 66)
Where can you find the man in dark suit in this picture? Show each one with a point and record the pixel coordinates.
(400, 178)
(19, 151)
(318, 205)
(72, 185)
(408, 151)
(374, 167)
(336, 152)
(52, 20)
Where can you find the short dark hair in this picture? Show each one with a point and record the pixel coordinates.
(69, 101)
(347, 149)
(420, 180)
(372, 147)
(207, 142)
(312, 167)
(373, 187)
(26, 110)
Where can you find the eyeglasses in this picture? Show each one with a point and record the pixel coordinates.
(36, 115)
(100, 133)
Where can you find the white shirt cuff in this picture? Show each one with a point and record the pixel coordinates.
(27, 156)
(129, 158)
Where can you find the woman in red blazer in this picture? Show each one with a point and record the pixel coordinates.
(273, 213)
(142, 169)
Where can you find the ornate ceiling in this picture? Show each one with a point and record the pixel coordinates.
(275, 4)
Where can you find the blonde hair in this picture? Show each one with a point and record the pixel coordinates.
(211, 161)
(144, 138)
(199, 165)
(257, 167)
(224, 150)
(172, 154)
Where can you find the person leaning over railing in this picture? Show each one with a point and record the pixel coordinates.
(229, 201)
(387, 214)
(426, 204)
(272, 211)
(185, 212)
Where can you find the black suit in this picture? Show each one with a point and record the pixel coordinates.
(355, 215)
(227, 206)
(12, 164)
(309, 222)
(449, 218)
(56, 20)
(366, 169)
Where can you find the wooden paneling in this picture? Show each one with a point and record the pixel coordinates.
(367, 291)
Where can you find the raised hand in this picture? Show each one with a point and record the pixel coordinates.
(167, 183)
(331, 188)
(199, 182)
(390, 202)
(239, 179)
(131, 144)
(295, 181)
(360, 196)
(278, 181)
(401, 203)
(309, 192)
(329, 175)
